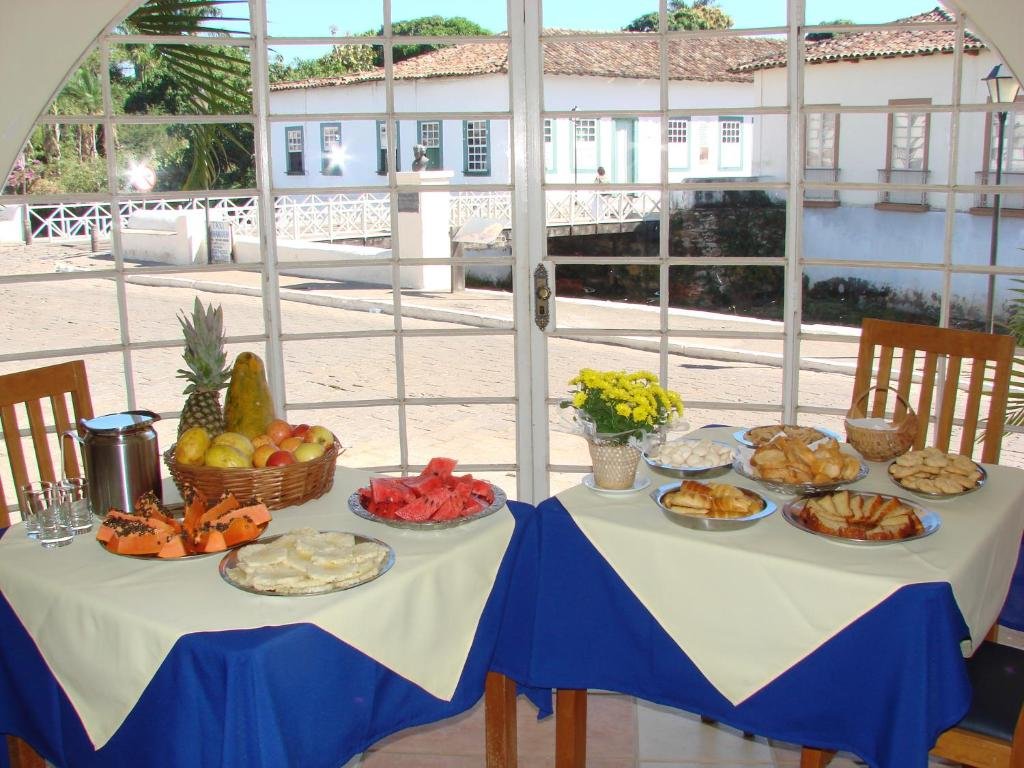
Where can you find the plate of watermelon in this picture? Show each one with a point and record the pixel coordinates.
(435, 498)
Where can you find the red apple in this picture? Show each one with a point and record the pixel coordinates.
(280, 459)
(300, 430)
(319, 435)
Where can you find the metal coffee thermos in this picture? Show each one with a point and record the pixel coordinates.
(121, 457)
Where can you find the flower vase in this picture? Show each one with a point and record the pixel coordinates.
(614, 464)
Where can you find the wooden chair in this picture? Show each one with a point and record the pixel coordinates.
(920, 349)
(992, 733)
(30, 389)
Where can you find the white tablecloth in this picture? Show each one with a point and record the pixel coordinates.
(85, 607)
(746, 605)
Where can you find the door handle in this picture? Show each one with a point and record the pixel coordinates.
(542, 297)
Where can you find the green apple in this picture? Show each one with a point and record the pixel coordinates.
(309, 451)
(321, 435)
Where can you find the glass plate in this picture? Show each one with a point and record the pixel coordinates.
(230, 560)
(796, 489)
(929, 520)
(705, 523)
(740, 435)
(357, 507)
(705, 471)
(940, 496)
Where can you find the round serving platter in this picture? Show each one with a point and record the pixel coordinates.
(740, 435)
(230, 561)
(356, 506)
(705, 523)
(930, 520)
(939, 496)
(796, 489)
(674, 470)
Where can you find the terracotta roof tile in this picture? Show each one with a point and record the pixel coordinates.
(707, 59)
(873, 44)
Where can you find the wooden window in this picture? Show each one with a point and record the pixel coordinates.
(430, 136)
(330, 149)
(294, 150)
(476, 147)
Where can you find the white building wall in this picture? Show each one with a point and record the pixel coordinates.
(359, 137)
(489, 93)
(863, 137)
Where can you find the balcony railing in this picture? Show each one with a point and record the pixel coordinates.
(824, 176)
(326, 218)
(1007, 200)
(902, 196)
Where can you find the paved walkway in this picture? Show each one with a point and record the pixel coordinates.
(716, 366)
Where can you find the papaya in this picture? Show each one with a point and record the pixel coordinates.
(256, 513)
(210, 540)
(248, 406)
(175, 547)
(222, 507)
(240, 529)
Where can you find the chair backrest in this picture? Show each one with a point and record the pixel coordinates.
(920, 349)
(31, 389)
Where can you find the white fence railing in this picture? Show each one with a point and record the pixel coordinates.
(343, 216)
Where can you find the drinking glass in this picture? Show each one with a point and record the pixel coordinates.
(54, 525)
(32, 498)
(76, 499)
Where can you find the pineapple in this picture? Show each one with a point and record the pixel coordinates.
(207, 371)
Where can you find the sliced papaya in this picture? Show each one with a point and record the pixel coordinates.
(195, 507)
(257, 513)
(239, 530)
(210, 540)
(175, 547)
(140, 543)
(226, 504)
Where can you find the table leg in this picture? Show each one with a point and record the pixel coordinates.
(810, 757)
(570, 728)
(500, 721)
(21, 755)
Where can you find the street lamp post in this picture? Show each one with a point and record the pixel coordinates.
(1002, 89)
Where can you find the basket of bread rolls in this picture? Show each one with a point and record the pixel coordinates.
(880, 438)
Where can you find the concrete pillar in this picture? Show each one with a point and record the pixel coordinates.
(423, 232)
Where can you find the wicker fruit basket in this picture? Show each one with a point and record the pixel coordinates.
(881, 444)
(277, 487)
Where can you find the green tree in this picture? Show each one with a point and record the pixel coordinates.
(700, 14)
(813, 36)
(342, 60)
(428, 25)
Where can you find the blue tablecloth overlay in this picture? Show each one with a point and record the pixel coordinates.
(883, 688)
(265, 698)
(1013, 611)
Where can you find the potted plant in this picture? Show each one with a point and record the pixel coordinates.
(616, 411)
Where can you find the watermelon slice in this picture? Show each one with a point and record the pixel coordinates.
(439, 466)
(435, 494)
(418, 511)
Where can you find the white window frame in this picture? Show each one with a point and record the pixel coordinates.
(527, 192)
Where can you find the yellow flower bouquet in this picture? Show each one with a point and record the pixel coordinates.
(617, 407)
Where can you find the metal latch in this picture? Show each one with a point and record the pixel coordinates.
(542, 294)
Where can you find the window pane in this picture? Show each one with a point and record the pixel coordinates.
(311, 18)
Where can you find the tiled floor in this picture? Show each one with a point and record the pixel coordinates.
(622, 732)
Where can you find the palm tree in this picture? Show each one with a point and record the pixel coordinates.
(209, 79)
(83, 94)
